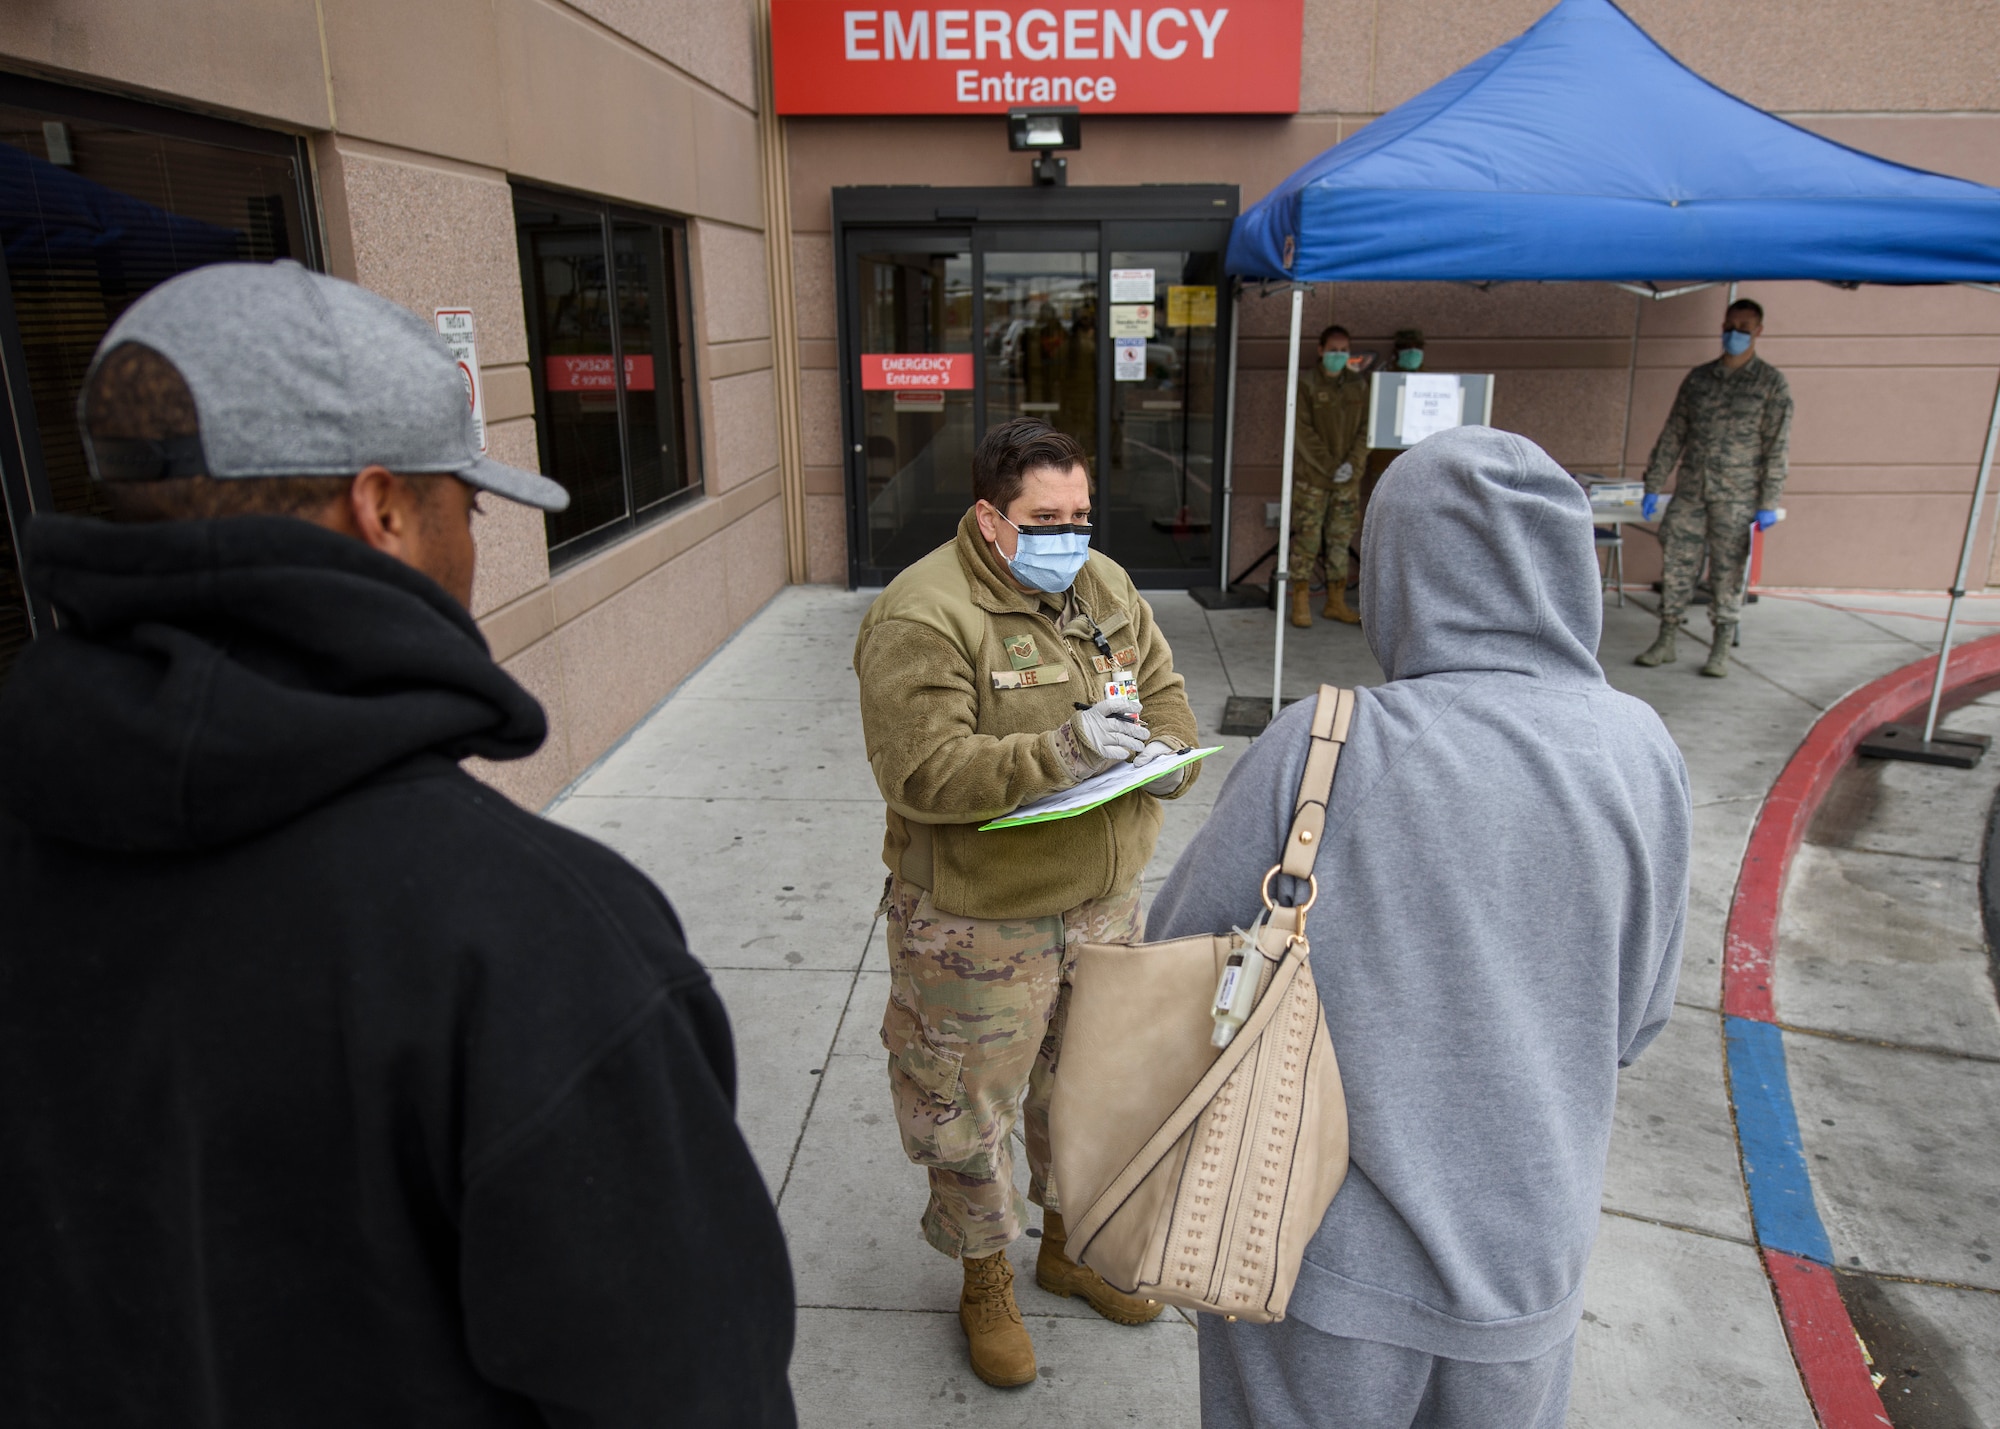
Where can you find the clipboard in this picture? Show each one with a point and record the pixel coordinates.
(1113, 783)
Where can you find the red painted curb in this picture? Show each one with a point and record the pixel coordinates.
(1752, 932)
(1836, 1377)
(1822, 1336)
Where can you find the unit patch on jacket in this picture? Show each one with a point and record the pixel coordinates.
(1022, 679)
(1021, 651)
(1127, 656)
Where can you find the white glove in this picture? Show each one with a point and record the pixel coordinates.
(1343, 474)
(1093, 740)
(1110, 729)
(1166, 783)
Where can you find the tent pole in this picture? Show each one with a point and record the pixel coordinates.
(1964, 563)
(1280, 579)
(1229, 442)
(1631, 386)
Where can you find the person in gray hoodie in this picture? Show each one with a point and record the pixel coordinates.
(1502, 887)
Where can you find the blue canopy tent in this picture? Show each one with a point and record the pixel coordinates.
(1582, 151)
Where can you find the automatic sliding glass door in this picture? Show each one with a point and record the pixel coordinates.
(913, 395)
(1114, 332)
(1039, 326)
(1160, 484)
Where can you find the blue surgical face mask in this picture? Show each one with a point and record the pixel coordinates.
(1048, 557)
(1735, 343)
(1410, 359)
(1335, 363)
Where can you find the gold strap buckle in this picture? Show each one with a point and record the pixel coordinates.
(1298, 933)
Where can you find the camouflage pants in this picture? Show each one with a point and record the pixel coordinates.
(1721, 528)
(1323, 519)
(975, 1020)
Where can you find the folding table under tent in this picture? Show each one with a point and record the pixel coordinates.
(1582, 151)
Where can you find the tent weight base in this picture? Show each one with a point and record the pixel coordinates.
(1248, 714)
(1237, 597)
(1906, 741)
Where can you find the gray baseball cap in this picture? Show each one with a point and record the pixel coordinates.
(294, 373)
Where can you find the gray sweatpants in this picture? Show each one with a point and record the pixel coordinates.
(1291, 1376)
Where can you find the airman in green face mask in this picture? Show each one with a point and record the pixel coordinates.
(1326, 484)
(1728, 435)
(1409, 349)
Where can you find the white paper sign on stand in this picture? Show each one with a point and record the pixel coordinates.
(1432, 403)
(454, 325)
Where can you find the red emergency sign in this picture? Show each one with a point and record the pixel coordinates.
(836, 57)
(593, 373)
(915, 371)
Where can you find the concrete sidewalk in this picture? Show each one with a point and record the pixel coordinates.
(748, 798)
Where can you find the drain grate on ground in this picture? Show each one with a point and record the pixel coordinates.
(1248, 714)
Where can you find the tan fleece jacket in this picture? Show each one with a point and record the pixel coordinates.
(964, 681)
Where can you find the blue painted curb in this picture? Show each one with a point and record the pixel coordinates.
(1767, 1128)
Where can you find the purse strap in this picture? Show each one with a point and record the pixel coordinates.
(1332, 714)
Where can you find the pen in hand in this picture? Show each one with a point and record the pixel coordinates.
(1128, 719)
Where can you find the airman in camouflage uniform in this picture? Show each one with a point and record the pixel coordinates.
(1728, 432)
(987, 990)
(1332, 452)
(973, 684)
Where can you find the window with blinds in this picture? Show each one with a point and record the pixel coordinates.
(606, 291)
(100, 201)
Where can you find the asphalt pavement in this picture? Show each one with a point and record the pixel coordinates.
(747, 796)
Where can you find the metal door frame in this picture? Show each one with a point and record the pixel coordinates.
(1122, 217)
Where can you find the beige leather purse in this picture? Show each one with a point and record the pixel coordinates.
(1192, 1175)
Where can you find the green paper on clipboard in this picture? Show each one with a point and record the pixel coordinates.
(1102, 788)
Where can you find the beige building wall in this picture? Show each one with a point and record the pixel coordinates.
(419, 117)
(1893, 386)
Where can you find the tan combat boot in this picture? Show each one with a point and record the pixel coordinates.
(1002, 1353)
(1056, 1273)
(1336, 606)
(1718, 652)
(1661, 651)
(1302, 615)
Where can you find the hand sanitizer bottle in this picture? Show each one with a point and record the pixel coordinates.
(1236, 992)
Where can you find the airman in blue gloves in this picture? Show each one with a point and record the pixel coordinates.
(1727, 433)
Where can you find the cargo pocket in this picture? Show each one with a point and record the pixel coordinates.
(937, 1128)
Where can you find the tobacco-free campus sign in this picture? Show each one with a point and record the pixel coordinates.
(456, 327)
(835, 57)
(915, 371)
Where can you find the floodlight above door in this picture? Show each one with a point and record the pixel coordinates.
(1043, 130)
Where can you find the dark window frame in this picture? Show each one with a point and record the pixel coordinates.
(24, 484)
(675, 228)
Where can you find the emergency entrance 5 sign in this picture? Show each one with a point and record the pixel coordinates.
(915, 371)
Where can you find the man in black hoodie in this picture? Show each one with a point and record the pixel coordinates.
(334, 1089)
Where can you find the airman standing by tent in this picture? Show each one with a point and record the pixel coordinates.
(1729, 430)
(1409, 349)
(1326, 489)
